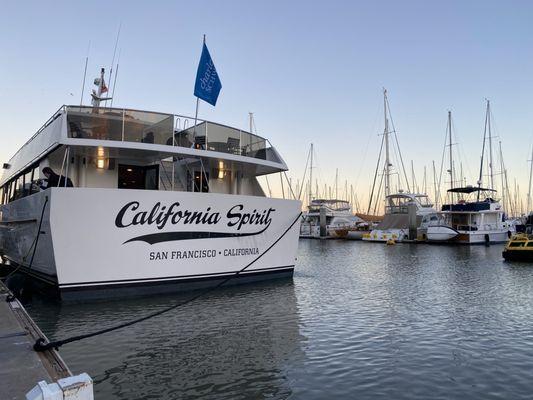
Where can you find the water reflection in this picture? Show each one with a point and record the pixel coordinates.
(234, 343)
(361, 320)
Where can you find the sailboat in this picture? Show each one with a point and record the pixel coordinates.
(398, 206)
(476, 216)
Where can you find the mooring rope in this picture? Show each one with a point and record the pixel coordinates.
(40, 344)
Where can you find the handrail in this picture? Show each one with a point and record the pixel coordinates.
(184, 117)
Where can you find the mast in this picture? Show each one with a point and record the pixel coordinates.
(480, 180)
(311, 177)
(413, 176)
(491, 171)
(336, 184)
(451, 154)
(435, 185)
(503, 177)
(529, 187)
(102, 88)
(386, 136)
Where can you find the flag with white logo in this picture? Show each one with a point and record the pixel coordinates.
(208, 84)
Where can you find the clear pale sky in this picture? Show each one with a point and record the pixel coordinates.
(310, 72)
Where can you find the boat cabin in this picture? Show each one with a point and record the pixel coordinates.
(115, 148)
(398, 203)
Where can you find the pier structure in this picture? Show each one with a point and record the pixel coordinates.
(25, 373)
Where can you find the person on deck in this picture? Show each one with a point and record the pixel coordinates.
(54, 180)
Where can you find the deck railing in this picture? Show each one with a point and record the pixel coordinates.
(164, 129)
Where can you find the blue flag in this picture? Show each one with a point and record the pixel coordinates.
(208, 84)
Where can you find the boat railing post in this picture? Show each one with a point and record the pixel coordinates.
(206, 140)
(123, 119)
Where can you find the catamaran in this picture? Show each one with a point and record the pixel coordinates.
(160, 201)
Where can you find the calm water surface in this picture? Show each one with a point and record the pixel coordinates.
(359, 320)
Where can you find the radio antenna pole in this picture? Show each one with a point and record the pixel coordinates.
(114, 53)
(85, 73)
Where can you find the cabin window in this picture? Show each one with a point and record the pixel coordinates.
(517, 244)
(138, 177)
(529, 244)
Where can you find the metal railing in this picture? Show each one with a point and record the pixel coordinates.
(129, 125)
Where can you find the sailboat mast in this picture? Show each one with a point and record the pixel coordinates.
(311, 176)
(491, 171)
(480, 180)
(435, 192)
(502, 176)
(336, 184)
(529, 188)
(386, 135)
(451, 154)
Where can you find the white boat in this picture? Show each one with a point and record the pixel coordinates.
(397, 219)
(158, 202)
(469, 221)
(337, 213)
(472, 215)
(395, 224)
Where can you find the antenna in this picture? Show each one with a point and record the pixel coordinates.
(114, 53)
(85, 73)
(115, 81)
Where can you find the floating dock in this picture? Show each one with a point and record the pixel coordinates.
(21, 368)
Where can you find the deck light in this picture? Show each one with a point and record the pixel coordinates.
(221, 170)
(100, 163)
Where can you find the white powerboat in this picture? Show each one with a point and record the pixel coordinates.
(337, 215)
(469, 221)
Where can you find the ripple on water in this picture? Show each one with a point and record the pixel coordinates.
(359, 320)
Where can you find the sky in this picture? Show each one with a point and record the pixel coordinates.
(310, 71)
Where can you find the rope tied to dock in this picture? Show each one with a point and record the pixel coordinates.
(41, 345)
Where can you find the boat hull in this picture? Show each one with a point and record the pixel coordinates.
(441, 234)
(444, 234)
(100, 240)
(518, 255)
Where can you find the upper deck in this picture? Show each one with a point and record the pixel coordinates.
(151, 132)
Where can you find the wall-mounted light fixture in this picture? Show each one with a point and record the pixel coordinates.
(220, 170)
(100, 160)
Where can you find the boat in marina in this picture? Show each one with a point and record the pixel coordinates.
(142, 199)
(336, 215)
(473, 214)
(402, 212)
(364, 224)
(469, 221)
(520, 245)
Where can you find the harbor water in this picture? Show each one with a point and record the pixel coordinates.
(358, 320)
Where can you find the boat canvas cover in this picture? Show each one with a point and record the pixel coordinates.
(397, 221)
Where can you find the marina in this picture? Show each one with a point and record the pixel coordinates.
(266, 201)
(408, 321)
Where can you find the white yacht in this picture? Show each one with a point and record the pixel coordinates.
(472, 214)
(395, 224)
(337, 214)
(469, 221)
(158, 201)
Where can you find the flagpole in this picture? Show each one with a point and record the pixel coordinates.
(196, 114)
